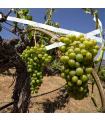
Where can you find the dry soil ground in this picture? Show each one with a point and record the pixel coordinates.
(50, 103)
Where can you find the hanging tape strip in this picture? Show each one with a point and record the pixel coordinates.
(60, 30)
(100, 24)
(51, 28)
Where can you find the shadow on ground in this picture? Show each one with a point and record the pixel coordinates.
(59, 103)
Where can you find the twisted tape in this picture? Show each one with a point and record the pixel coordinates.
(60, 30)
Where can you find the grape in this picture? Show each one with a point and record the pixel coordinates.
(30, 70)
(95, 42)
(68, 36)
(82, 40)
(96, 47)
(62, 39)
(72, 55)
(63, 48)
(79, 82)
(70, 84)
(68, 77)
(72, 73)
(66, 40)
(94, 52)
(90, 44)
(63, 69)
(67, 71)
(77, 38)
(77, 50)
(73, 37)
(80, 89)
(77, 59)
(81, 46)
(63, 75)
(83, 78)
(70, 50)
(88, 55)
(79, 71)
(62, 58)
(87, 39)
(32, 92)
(36, 91)
(66, 86)
(66, 54)
(88, 70)
(39, 56)
(71, 63)
(77, 64)
(72, 47)
(85, 43)
(66, 59)
(74, 78)
(81, 36)
(83, 52)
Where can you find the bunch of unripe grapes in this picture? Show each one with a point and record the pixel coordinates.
(78, 55)
(36, 58)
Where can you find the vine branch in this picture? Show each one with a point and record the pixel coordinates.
(4, 17)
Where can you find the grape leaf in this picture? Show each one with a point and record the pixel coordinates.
(92, 10)
(87, 10)
(45, 17)
(25, 11)
(30, 17)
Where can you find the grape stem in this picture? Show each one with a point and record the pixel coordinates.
(101, 54)
(95, 103)
(93, 99)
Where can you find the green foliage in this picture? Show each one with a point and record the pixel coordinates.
(48, 18)
(43, 38)
(56, 64)
(102, 74)
(22, 14)
(91, 11)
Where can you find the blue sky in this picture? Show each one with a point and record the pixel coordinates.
(68, 18)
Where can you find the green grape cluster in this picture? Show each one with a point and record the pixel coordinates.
(36, 58)
(78, 55)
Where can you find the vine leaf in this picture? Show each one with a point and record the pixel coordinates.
(45, 17)
(12, 9)
(30, 17)
(92, 10)
(87, 10)
(26, 12)
(53, 10)
(20, 12)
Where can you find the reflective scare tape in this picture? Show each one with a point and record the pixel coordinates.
(51, 28)
(94, 32)
(59, 30)
(48, 47)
